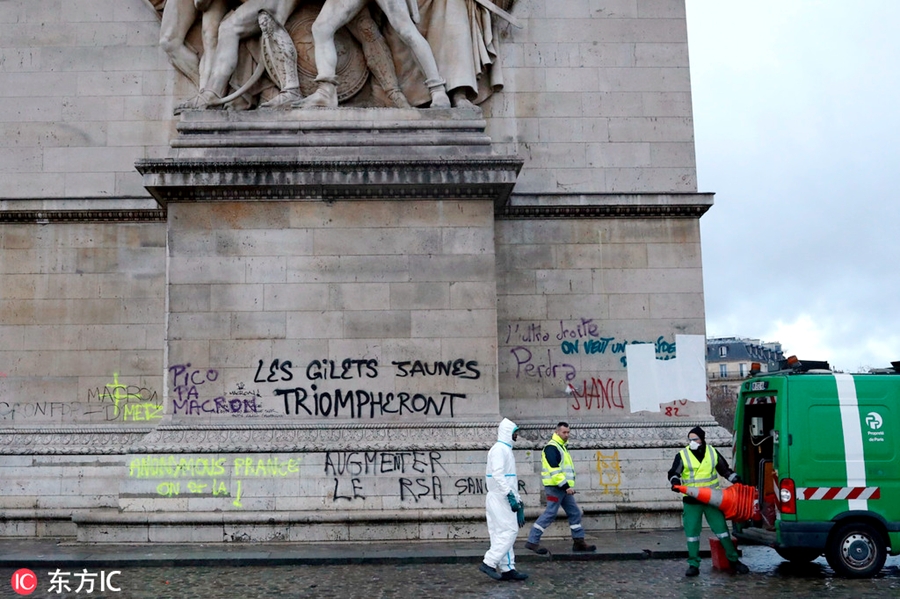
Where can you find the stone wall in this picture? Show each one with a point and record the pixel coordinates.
(152, 357)
(574, 293)
(82, 323)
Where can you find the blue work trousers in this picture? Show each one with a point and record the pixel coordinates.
(557, 498)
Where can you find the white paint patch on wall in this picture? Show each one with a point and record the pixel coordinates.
(652, 382)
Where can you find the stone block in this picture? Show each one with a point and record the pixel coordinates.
(522, 307)
(667, 104)
(234, 298)
(359, 296)
(661, 55)
(651, 129)
(473, 296)
(267, 270)
(368, 242)
(629, 306)
(575, 307)
(348, 269)
(267, 242)
(199, 325)
(672, 155)
(200, 270)
(673, 255)
(189, 298)
(295, 297)
(315, 325)
(679, 180)
(561, 282)
(451, 268)
(618, 155)
(258, 325)
(676, 305)
(468, 240)
(419, 296)
(377, 324)
(452, 323)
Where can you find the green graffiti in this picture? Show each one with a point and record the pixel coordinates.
(116, 396)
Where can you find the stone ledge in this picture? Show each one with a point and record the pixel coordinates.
(605, 205)
(303, 437)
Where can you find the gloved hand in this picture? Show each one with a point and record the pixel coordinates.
(513, 503)
(675, 490)
(520, 514)
(737, 480)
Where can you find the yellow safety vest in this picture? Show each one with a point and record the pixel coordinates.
(697, 473)
(565, 472)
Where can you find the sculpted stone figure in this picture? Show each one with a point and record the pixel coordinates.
(241, 23)
(177, 18)
(463, 37)
(401, 14)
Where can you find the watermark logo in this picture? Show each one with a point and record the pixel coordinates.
(874, 421)
(24, 582)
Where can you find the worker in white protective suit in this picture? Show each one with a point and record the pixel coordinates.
(505, 512)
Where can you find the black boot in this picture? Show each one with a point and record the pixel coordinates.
(739, 568)
(492, 572)
(692, 571)
(580, 546)
(513, 575)
(536, 547)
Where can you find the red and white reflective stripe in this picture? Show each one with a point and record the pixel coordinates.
(839, 493)
(752, 401)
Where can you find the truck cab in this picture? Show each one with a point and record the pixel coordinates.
(823, 451)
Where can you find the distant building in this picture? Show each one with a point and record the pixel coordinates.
(728, 362)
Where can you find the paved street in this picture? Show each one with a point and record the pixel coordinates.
(619, 578)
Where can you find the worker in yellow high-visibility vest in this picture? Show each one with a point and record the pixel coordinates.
(558, 476)
(699, 465)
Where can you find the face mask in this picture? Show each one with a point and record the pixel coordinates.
(695, 445)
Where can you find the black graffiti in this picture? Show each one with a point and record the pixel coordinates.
(458, 368)
(284, 368)
(364, 404)
(356, 488)
(471, 485)
(370, 463)
(331, 370)
(120, 394)
(219, 405)
(423, 489)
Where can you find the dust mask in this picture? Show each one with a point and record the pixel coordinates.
(695, 445)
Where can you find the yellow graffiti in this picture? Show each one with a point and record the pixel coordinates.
(117, 394)
(143, 411)
(610, 472)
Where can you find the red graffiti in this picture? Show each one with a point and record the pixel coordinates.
(1, 374)
(607, 395)
(672, 411)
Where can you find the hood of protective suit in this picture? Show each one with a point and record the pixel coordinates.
(505, 430)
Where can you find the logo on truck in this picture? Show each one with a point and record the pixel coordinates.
(873, 419)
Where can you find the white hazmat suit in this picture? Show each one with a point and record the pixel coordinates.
(503, 525)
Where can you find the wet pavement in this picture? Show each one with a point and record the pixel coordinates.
(657, 577)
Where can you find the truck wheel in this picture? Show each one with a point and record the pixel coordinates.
(798, 555)
(856, 550)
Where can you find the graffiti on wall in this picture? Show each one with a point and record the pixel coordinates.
(610, 472)
(129, 402)
(209, 476)
(322, 389)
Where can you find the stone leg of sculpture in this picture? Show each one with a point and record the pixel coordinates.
(397, 12)
(334, 15)
(378, 56)
(213, 12)
(243, 22)
(177, 18)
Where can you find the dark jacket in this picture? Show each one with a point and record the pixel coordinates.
(677, 469)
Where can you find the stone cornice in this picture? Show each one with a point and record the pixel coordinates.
(605, 205)
(42, 217)
(476, 178)
(283, 438)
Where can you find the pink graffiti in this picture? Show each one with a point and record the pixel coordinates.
(1, 374)
(608, 395)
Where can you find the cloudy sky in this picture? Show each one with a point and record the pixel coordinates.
(797, 116)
